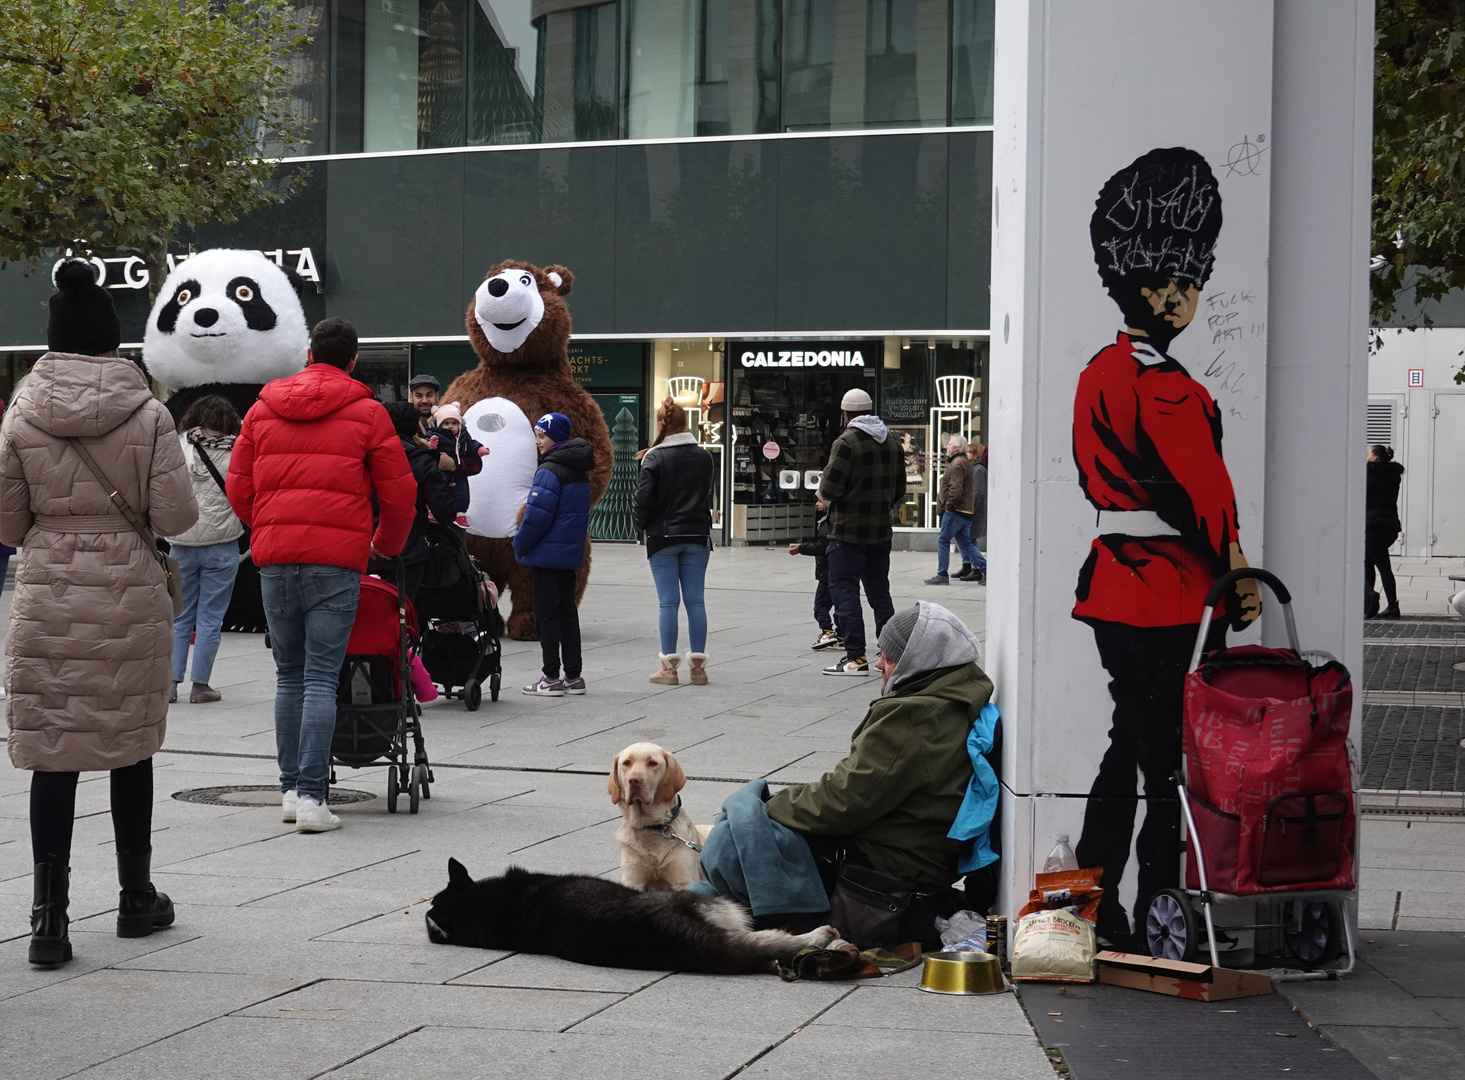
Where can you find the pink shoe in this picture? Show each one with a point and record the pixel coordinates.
(422, 685)
(461, 521)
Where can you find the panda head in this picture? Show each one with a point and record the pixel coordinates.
(518, 314)
(225, 316)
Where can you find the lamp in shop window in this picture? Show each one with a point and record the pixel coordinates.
(905, 343)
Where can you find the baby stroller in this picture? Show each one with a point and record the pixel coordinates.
(376, 712)
(1267, 792)
(460, 625)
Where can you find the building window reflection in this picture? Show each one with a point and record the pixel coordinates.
(434, 74)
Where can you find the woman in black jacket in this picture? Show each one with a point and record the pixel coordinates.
(434, 494)
(674, 510)
(1381, 528)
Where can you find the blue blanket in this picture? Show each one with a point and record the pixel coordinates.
(979, 804)
(758, 862)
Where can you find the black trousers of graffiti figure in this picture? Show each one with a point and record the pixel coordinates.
(558, 621)
(1146, 667)
(53, 811)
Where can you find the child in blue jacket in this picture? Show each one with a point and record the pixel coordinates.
(551, 540)
(448, 436)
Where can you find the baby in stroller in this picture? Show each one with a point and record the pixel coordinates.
(448, 436)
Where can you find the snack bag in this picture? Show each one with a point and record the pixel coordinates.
(1075, 891)
(1053, 946)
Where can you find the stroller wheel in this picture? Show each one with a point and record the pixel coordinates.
(473, 695)
(392, 789)
(1310, 928)
(414, 788)
(424, 781)
(1171, 927)
(493, 686)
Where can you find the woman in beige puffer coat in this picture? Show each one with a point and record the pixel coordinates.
(90, 631)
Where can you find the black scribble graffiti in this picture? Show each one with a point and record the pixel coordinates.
(1231, 380)
(1245, 158)
(1161, 218)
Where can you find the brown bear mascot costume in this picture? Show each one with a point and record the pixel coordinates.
(519, 325)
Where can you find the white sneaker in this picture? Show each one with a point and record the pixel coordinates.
(311, 816)
(288, 802)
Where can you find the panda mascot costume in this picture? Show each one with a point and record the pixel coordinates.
(226, 322)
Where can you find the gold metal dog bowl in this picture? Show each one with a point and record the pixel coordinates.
(962, 973)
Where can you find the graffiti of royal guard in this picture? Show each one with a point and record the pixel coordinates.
(1147, 441)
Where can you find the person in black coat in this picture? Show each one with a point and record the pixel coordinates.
(674, 509)
(434, 495)
(823, 603)
(1381, 527)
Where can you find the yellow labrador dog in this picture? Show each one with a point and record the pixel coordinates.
(656, 834)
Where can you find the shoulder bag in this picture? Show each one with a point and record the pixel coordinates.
(208, 463)
(172, 575)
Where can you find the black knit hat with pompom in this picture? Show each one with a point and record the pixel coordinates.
(83, 318)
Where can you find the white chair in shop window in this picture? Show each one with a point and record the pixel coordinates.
(953, 409)
(685, 389)
(955, 391)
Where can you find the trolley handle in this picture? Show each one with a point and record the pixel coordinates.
(1219, 589)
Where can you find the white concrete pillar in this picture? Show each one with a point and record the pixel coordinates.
(1166, 107)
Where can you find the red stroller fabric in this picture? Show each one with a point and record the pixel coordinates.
(375, 631)
(1268, 775)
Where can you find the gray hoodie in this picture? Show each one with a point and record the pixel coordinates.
(939, 640)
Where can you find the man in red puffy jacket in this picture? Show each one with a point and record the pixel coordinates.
(312, 450)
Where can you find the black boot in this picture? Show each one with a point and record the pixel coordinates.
(1390, 612)
(49, 943)
(141, 909)
(964, 573)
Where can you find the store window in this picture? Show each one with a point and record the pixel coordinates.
(691, 374)
(784, 418)
(971, 61)
(931, 390)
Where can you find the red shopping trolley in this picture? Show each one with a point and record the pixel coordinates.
(1267, 793)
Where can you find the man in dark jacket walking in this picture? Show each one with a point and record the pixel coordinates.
(956, 498)
(311, 452)
(861, 485)
(551, 539)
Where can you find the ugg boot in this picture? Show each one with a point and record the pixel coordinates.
(49, 944)
(697, 667)
(141, 909)
(667, 675)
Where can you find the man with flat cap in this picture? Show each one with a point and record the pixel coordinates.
(861, 485)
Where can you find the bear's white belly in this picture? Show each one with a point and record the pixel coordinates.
(499, 492)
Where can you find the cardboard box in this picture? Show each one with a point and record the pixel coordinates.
(1198, 982)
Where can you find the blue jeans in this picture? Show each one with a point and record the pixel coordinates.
(850, 566)
(681, 568)
(957, 527)
(208, 582)
(310, 610)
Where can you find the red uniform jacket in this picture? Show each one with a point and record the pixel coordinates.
(1147, 436)
(313, 449)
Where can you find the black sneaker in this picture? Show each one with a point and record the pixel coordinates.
(828, 639)
(938, 579)
(850, 665)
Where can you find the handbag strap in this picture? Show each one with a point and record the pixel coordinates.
(208, 464)
(116, 498)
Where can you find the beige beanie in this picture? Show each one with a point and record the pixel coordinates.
(450, 411)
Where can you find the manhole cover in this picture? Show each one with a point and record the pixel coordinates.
(259, 795)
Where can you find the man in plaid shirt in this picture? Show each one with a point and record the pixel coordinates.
(862, 484)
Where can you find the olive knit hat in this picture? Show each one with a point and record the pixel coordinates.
(83, 318)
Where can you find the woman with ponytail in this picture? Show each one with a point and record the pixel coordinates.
(674, 510)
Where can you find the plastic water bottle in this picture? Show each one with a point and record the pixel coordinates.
(1060, 858)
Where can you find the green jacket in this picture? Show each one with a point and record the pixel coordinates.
(898, 790)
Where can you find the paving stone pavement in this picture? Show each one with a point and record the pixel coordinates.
(295, 955)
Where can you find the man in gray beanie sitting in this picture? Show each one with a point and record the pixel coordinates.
(890, 802)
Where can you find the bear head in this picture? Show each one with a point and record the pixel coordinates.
(518, 316)
(225, 316)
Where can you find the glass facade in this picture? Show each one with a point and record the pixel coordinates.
(388, 75)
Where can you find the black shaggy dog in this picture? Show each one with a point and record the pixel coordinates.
(593, 921)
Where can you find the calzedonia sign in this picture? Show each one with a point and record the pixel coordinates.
(806, 354)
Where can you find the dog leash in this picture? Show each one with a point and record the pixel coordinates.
(671, 834)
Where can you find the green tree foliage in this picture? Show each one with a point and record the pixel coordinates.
(1419, 153)
(122, 120)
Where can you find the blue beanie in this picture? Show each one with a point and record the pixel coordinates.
(555, 425)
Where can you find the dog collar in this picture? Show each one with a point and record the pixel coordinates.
(666, 830)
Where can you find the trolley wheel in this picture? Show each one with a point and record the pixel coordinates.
(1311, 930)
(1171, 928)
(392, 789)
(414, 788)
(473, 695)
(493, 686)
